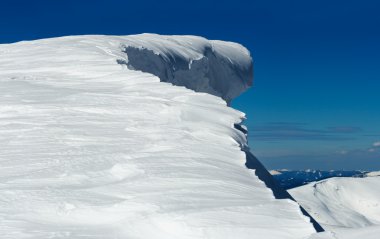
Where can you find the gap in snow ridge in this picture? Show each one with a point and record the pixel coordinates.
(279, 193)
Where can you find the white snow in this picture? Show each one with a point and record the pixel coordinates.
(347, 207)
(373, 174)
(371, 232)
(342, 202)
(90, 148)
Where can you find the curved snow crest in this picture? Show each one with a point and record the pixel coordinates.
(220, 68)
(92, 149)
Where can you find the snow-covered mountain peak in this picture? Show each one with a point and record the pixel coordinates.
(91, 148)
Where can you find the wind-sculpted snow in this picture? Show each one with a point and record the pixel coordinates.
(220, 68)
(92, 149)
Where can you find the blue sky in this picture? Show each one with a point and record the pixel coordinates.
(315, 101)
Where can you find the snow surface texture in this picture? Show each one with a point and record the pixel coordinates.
(371, 232)
(90, 148)
(373, 174)
(348, 207)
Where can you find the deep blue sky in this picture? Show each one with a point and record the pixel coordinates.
(315, 101)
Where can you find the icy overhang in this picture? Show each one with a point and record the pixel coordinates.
(220, 68)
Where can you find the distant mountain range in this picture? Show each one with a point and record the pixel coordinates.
(289, 179)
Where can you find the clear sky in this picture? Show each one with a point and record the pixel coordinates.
(316, 96)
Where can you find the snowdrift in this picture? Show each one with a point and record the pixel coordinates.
(94, 145)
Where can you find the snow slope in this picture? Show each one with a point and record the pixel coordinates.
(342, 202)
(373, 174)
(90, 147)
(371, 232)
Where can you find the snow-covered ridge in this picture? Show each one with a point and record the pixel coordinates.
(373, 174)
(223, 69)
(348, 208)
(90, 148)
(342, 202)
